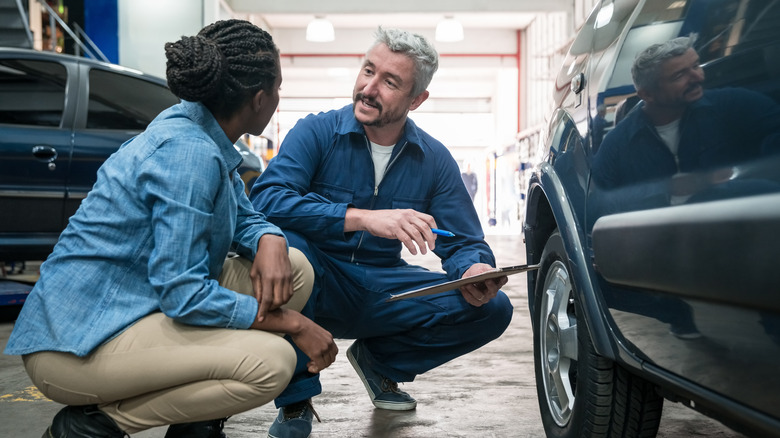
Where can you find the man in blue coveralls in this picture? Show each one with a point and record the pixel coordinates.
(348, 188)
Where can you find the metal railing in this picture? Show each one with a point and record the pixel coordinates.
(88, 40)
(90, 48)
(23, 15)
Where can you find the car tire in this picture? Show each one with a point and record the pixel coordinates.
(581, 394)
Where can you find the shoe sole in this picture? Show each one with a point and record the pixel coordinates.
(276, 421)
(390, 406)
(274, 436)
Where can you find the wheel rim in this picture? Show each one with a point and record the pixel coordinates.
(558, 331)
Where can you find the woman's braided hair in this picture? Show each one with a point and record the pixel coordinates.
(227, 63)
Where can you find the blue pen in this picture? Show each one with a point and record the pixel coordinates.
(442, 232)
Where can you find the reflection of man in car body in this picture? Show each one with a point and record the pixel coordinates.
(680, 127)
(673, 145)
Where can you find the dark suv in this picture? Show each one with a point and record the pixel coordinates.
(60, 118)
(659, 284)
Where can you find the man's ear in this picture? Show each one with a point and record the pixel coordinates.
(417, 101)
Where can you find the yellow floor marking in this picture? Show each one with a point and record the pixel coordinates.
(28, 394)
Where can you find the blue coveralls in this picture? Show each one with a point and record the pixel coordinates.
(325, 166)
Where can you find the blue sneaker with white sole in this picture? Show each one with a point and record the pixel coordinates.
(294, 421)
(384, 392)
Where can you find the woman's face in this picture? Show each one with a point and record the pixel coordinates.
(270, 101)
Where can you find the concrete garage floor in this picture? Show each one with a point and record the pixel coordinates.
(489, 394)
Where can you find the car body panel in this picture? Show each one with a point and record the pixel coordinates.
(48, 166)
(707, 258)
(36, 146)
(34, 187)
(727, 296)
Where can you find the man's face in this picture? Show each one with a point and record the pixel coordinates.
(382, 94)
(679, 82)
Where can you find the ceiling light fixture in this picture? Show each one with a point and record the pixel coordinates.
(320, 30)
(449, 30)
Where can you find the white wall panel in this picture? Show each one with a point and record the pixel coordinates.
(146, 25)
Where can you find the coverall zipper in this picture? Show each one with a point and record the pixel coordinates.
(376, 190)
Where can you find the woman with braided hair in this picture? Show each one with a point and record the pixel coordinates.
(139, 318)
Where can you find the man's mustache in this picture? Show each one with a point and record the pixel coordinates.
(693, 88)
(371, 101)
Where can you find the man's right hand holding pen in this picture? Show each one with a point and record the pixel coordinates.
(409, 226)
(415, 229)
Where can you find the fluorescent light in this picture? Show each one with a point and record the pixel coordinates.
(449, 30)
(320, 30)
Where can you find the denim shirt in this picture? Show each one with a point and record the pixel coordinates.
(324, 166)
(151, 236)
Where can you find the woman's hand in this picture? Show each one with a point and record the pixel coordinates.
(318, 344)
(271, 274)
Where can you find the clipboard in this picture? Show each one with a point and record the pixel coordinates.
(455, 284)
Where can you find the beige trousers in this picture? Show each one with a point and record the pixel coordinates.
(160, 372)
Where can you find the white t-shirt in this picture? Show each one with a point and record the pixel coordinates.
(381, 156)
(670, 134)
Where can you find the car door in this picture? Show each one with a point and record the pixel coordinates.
(115, 105)
(688, 261)
(36, 115)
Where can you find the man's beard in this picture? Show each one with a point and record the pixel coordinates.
(383, 118)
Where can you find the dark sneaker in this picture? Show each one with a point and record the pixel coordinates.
(384, 392)
(294, 421)
(199, 429)
(83, 422)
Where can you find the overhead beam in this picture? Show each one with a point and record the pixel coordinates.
(396, 6)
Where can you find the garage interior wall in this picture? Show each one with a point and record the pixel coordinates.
(490, 88)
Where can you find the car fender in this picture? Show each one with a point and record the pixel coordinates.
(547, 209)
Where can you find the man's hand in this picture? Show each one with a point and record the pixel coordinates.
(271, 274)
(409, 226)
(480, 293)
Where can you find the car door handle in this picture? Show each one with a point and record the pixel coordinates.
(45, 153)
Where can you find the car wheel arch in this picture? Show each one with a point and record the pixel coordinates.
(543, 217)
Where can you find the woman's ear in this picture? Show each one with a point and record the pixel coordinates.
(258, 100)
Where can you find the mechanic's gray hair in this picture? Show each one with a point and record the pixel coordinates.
(417, 48)
(644, 72)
